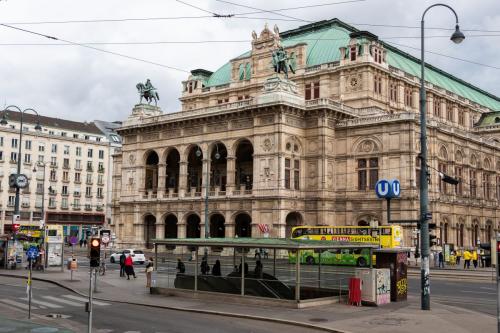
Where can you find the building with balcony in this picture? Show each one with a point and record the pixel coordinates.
(308, 150)
(56, 160)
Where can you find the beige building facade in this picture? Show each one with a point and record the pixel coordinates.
(280, 152)
(67, 164)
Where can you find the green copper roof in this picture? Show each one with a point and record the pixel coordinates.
(488, 119)
(324, 39)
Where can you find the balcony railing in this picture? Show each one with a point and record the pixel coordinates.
(90, 169)
(100, 170)
(65, 166)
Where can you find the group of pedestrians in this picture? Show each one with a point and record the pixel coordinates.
(469, 255)
(216, 269)
(127, 268)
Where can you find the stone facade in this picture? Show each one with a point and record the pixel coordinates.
(266, 150)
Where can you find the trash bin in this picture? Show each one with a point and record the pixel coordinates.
(355, 291)
(397, 262)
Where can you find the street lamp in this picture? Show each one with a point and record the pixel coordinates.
(457, 37)
(38, 128)
(44, 240)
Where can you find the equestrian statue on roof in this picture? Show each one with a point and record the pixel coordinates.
(148, 92)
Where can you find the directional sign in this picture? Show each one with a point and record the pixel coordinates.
(32, 252)
(388, 189)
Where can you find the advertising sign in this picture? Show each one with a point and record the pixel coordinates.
(54, 234)
(54, 253)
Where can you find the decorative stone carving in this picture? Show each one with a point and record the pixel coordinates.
(277, 89)
(313, 146)
(242, 123)
(367, 146)
(131, 159)
(267, 144)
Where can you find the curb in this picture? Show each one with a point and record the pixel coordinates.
(217, 313)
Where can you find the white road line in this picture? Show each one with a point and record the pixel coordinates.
(478, 292)
(49, 305)
(17, 304)
(64, 301)
(83, 299)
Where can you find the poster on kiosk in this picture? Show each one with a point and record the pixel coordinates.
(54, 245)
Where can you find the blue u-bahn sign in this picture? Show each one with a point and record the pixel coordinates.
(388, 189)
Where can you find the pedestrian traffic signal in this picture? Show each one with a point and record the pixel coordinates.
(95, 252)
(432, 240)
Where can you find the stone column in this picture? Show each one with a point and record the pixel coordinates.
(442, 110)
(160, 228)
(182, 178)
(205, 176)
(430, 106)
(230, 166)
(415, 97)
(162, 175)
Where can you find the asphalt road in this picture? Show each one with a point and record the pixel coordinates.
(117, 317)
(477, 296)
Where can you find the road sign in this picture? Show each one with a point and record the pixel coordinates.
(428, 216)
(388, 189)
(32, 252)
(105, 239)
(73, 240)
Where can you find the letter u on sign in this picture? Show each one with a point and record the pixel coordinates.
(382, 188)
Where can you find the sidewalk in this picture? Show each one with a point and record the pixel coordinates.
(403, 317)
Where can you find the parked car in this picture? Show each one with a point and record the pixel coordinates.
(137, 256)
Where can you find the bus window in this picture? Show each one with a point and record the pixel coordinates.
(297, 232)
(330, 231)
(363, 231)
(386, 231)
(357, 251)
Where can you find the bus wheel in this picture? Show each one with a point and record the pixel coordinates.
(310, 260)
(361, 262)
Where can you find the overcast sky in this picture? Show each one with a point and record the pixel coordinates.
(76, 83)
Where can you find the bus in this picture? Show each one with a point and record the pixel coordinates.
(383, 236)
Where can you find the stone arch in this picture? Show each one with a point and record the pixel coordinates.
(459, 157)
(171, 222)
(475, 233)
(218, 165)
(473, 160)
(151, 170)
(217, 225)
(293, 145)
(149, 230)
(443, 153)
(367, 145)
(194, 175)
(172, 160)
(364, 219)
(488, 232)
(242, 225)
(193, 229)
(487, 163)
(244, 164)
(293, 219)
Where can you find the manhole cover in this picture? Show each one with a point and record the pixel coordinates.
(58, 316)
(318, 320)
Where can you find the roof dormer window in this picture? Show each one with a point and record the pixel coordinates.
(353, 52)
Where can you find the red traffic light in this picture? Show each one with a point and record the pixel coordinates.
(498, 247)
(15, 227)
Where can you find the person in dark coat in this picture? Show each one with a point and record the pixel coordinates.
(129, 267)
(122, 264)
(205, 269)
(216, 269)
(258, 271)
(441, 260)
(181, 268)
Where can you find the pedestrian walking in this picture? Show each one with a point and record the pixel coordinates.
(81, 242)
(474, 258)
(149, 272)
(441, 260)
(467, 258)
(205, 268)
(122, 264)
(129, 267)
(181, 268)
(85, 242)
(458, 255)
(258, 271)
(216, 269)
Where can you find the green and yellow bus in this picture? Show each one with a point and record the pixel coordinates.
(384, 236)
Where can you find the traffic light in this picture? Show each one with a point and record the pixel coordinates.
(95, 252)
(432, 237)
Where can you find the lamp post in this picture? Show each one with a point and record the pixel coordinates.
(38, 128)
(456, 37)
(43, 164)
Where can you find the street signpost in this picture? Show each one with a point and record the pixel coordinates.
(32, 254)
(388, 189)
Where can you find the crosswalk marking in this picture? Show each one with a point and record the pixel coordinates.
(83, 299)
(47, 304)
(60, 300)
(17, 304)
